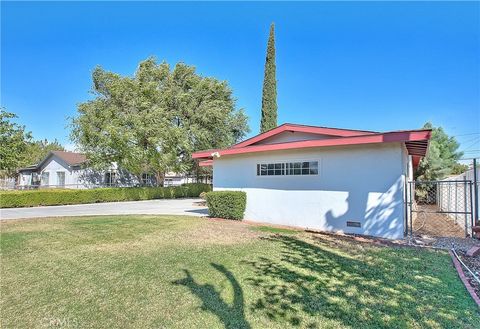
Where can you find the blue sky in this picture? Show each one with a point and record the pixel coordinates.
(375, 66)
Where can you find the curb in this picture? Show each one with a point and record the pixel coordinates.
(464, 279)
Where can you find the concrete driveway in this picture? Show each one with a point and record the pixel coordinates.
(150, 207)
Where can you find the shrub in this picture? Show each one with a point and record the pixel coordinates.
(226, 204)
(51, 197)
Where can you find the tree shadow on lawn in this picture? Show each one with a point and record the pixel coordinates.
(231, 316)
(383, 289)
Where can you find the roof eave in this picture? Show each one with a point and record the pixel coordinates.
(396, 136)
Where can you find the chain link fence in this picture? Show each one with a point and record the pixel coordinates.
(441, 208)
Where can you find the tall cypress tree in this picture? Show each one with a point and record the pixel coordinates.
(269, 96)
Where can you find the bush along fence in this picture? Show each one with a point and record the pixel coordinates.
(226, 204)
(52, 197)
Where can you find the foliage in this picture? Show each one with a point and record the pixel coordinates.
(269, 96)
(182, 272)
(51, 197)
(226, 204)
(17, 147)
(442, 156)
(153, 121)
(14, 142)
(459, 168)
(37, 150)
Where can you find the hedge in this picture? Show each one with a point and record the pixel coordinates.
(226, 204)
(52, 197)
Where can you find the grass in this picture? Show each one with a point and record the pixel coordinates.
(185, 272)
(277, 230)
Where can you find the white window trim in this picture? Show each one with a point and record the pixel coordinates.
(285, 161)
(41, 178)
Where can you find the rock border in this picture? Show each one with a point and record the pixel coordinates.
(462, 276)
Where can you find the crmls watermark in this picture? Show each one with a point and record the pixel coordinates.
(59, 322)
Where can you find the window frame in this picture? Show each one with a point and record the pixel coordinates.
(112, 181)
(42, 178)
(58, 178)
(149, 180)
(285, 162)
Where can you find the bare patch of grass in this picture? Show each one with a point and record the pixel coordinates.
(274, 230)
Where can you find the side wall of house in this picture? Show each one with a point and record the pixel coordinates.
(55, 165)
(356, 184)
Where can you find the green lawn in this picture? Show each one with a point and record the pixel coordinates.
(185, 272)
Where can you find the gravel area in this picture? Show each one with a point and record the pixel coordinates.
(460, 244)
(473, 264)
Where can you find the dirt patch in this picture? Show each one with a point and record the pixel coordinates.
(427, 222)
(221, 231)
(196, 232)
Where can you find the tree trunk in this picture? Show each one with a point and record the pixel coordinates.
(160, 177)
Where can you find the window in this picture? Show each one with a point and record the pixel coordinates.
(110, 178)
(148, 179)
(36, 179)
(302, 168)
(61, 178)
(45, 180)
(288, 168)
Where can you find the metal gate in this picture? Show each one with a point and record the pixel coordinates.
(439, 208)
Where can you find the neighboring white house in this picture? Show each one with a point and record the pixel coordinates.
(70, 170)
(322, 178)
(58, 168)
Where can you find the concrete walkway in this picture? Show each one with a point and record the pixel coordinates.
(150, 207)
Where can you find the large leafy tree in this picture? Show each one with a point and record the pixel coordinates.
(18, 148)
(269, 95)
(14, 141)
(442, 158)
(36, 151)
(153, 121)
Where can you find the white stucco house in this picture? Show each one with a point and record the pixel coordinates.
(321, 178)
(60, 169)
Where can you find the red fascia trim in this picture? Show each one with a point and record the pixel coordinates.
(416, 161)
(396, 136)
(305, 129)
(206, 163)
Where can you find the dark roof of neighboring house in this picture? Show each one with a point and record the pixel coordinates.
(29, 168)
(70, 158)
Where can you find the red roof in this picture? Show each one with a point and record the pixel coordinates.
(205, 163)
(305, 129)
(416, 141)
